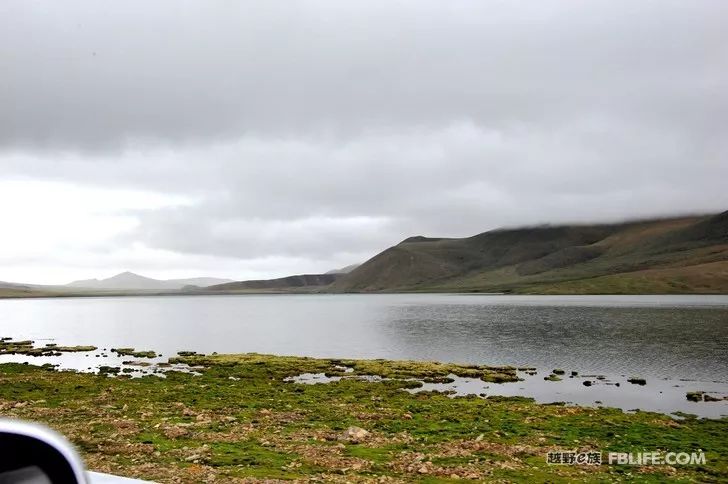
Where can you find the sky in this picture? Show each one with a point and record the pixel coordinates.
(261, 139)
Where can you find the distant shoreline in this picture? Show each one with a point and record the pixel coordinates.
(40, 295)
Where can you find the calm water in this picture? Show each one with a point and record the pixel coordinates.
(656, 337)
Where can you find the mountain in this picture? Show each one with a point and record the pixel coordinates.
(130, 281)
(343, 270)
(298, 282)
(675, 255)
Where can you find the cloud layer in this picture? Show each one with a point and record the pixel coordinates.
(301, 136)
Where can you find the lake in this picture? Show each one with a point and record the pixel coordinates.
(669, 340)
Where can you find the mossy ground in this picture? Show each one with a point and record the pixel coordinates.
(239, 420)
(27, 347)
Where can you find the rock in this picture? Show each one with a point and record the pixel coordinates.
(355, 434)
(694, 396)
(710, 398)
(637, 381)
(175, 431)
(558, 371)
(587, 383)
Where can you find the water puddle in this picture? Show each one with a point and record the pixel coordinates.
(619, 391)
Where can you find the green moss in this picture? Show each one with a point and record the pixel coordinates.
(73, 349)
(25, 347)
(134, 353)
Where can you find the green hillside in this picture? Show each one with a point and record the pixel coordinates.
(677, 255)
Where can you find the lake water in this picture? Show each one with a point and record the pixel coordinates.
(669, 340)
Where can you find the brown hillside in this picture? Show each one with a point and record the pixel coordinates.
(556, 258)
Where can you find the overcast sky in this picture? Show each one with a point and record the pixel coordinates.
(261, 139)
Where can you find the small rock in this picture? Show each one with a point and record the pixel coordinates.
(175, 431)
(355, 434)
(637, 381)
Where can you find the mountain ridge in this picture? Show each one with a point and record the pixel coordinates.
(554, 258)
(131, 281)
(677, 255)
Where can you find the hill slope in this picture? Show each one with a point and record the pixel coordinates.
(688, 254)
(298, 282)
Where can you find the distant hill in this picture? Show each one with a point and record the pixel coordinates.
(343, 270)
(131, 281)
(198, 281)
(298, 282)
(676, 255)
(11, 289)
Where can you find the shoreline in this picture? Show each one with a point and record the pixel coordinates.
(11, 295)
(584, 387)
(242, 417)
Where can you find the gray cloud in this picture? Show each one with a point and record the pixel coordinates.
(325, 131)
